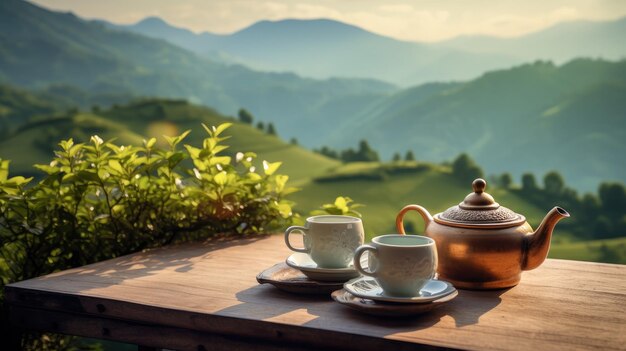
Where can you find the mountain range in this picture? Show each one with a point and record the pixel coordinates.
(40, 47)
(532, 117)
(325, 48)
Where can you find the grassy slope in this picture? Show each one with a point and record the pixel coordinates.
(437, 190)
(155, 118)
(33, 143)
(591, 250)
(434, 189)
(130, 123)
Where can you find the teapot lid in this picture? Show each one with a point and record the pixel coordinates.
(479, 209)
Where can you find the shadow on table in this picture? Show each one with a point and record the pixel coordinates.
(180, 257)
(320, 311)
(467, 308)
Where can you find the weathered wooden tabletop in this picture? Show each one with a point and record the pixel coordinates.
(205, 297)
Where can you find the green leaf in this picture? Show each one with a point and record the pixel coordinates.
(116, 166)
(254, 177)
(219, 148)
(171, 141)
(4, 169)
(284, 210)
(19, 180)
(150, 143)
(222, 127)
(223, 160)
(183, 135)
(340, 203)
(221, 178)
(208, 130)
(290, 190)
(68, 177)
(47, 169)
(200, 165)
(175, 159)
(281, 181)
(66, 144)
(270, 168)
(209, 144)
(88, 176)
(74, 150)
(194, 152)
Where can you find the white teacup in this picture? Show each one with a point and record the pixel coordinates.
(329, 239)
(401, 264)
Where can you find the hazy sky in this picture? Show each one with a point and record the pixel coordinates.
(418, 20)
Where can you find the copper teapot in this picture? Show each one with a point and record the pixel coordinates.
(482, 245)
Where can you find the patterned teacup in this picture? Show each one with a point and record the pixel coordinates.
(330, 240)
(401, 264)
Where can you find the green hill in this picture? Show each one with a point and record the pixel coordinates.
(535, 117)
(18, 106)
(35, 141)
(384, 190)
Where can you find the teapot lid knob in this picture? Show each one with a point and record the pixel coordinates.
(479, 199)
(479, 185)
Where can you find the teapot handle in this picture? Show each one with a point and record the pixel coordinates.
(421, 210)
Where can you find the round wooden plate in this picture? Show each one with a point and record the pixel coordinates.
(388, 309)
(294, 281)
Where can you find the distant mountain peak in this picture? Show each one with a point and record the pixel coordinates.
(153, 21)
(321, 25)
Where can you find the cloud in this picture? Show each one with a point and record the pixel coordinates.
(396, 8)
(515, 25)
(416, 20)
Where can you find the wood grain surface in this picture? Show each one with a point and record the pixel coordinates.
(200, 296)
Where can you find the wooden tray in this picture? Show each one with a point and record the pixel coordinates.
(292, 280)
(388, 309)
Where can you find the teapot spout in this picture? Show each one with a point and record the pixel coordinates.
(537, 244)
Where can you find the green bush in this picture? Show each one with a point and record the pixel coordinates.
(100, 200)
(343, 206)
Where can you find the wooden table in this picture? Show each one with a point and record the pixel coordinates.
(205, 297)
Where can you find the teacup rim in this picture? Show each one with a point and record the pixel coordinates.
(430, 242)
(348, 219)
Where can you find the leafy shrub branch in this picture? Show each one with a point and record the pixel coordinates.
(100, 200)
(343, 205)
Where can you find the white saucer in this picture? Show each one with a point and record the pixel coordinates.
(304, 263)
(368, 288)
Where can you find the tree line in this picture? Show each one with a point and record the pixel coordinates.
(600, 215)
(364, 153)
(246, 117)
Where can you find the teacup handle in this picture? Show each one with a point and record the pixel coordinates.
(421, 210)
(357, 259)
(288, 231)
